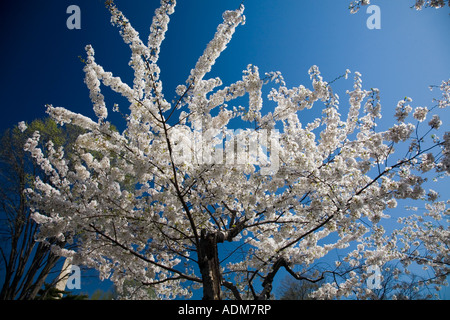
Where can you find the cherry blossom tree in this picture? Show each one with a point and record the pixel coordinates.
(181, 199)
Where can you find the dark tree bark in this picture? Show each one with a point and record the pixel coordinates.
(208, 261)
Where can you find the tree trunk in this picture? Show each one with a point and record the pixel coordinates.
(208, 261)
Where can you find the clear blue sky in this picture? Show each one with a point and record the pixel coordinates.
(40, 64)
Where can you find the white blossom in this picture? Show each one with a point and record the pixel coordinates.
(403, 109)
(22, 126)
(435, 122)
(420, 113)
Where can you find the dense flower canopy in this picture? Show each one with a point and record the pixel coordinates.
(140, 202)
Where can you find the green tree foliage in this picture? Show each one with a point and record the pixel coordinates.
(103, 295)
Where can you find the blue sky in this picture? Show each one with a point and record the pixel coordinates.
(40, 64)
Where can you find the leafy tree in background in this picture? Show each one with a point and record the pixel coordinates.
(103, 295)
(291, 289)
(25, 263)
(278, 194)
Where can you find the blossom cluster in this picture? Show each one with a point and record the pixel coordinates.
(355, 5)
(430, 3)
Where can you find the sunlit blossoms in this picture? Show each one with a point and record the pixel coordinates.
(430, 3)
(182, 198)
(22, 126)
(419, 4)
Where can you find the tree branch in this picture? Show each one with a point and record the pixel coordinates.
(233, 289)
(140, 256)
